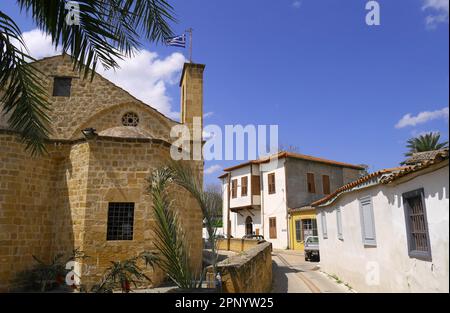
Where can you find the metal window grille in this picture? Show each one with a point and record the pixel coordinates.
(120, 221)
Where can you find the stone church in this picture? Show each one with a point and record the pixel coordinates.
(89, 191)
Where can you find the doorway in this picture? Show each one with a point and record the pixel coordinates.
(248, 226)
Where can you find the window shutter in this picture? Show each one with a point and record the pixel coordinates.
(339, 224)
(272, 227)
(367, 222)
(234, 188)
(326, 184)
(311, 183)
(244, 186)
(417, 225)
(323, 219)
(271, 180)
(256, 188)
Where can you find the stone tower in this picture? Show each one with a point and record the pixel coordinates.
(191, 84)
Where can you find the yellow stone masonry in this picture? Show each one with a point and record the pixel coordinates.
(57, 202)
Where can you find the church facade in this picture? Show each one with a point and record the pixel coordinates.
(89, 191)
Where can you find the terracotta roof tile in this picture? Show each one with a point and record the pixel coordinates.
(284, 154)
(388, 175)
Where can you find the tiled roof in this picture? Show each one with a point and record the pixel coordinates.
(435, 158)
(386, 176)
(426, 156)
(284, 154)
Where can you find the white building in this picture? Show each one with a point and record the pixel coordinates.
(263, 191)
(389, 231)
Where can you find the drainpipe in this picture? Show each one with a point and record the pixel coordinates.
(261, 194)
(228, 210)
(287, 208)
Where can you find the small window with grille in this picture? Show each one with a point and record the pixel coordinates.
(120, 221)
(130, 119)
(417, 225)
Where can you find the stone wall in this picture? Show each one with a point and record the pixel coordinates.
(89, 99)
(58, 202)
(26, 204)
(236, 244)
(250, 271)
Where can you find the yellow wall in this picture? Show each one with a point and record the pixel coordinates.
(294, 244)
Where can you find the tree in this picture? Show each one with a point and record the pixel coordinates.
(426, 142)
(108, 30)
(170, 237)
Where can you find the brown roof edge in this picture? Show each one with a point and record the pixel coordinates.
(354, 184)
(284, 154)
(320, 160)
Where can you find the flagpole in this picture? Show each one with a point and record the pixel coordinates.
(189, 30)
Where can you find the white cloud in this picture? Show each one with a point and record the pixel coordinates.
(439, 12)
(38, 44)
(145, 76)
(212, 169)
(297, 4)
(208, 114)
(422, 117)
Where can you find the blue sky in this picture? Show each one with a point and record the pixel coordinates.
(335, 86)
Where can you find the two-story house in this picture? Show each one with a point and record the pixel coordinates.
(269, 196)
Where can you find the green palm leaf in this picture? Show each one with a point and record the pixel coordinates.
(107, 32)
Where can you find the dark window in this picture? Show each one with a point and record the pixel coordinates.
(326, 184)
(272, 227)
(271, 179)
(416, 225)
(61, 86)
(120, 221)
(298, 230)
(244, 186)
(234, 188)
(311, 183)
(248, 226)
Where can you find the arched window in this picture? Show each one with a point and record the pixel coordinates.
(248, 226)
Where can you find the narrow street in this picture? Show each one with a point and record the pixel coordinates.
(292, 274)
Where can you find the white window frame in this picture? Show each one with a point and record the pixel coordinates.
(369, 242)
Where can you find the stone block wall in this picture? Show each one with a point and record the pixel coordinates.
(58, 202)
(248, 272)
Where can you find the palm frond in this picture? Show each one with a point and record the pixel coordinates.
(24, 96)
(170, 237)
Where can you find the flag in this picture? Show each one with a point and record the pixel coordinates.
(176, 41)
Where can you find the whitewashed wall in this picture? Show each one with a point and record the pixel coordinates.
(387, 267)
(274, 205)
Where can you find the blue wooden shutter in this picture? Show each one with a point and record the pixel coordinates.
(324, 225)
(367, 222)
(339, 223)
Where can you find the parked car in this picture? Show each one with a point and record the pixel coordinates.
(256, 237)
(312, 248)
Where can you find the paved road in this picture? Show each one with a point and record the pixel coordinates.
(292, 274)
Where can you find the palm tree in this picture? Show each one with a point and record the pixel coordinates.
(108, 30)
(170, 237)
(426, 142)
